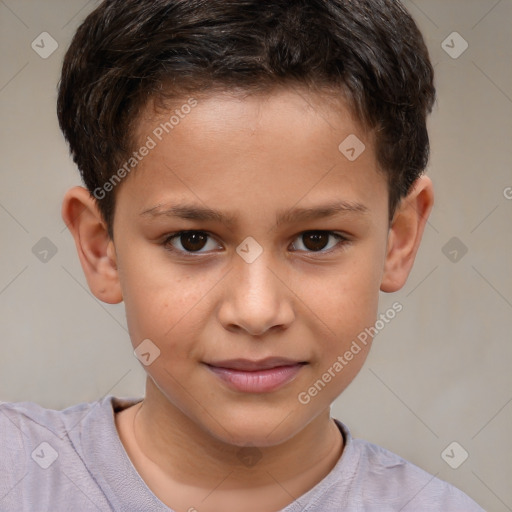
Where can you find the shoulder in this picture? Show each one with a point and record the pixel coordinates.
(25, 425)
(381, 477)
(44, 453)
(24, 420)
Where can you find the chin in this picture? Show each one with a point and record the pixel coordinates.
(256, 428)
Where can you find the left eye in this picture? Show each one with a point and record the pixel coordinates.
(316, 240)
(193, 241)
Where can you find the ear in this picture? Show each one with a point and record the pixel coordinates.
(95, 248)
(405, 234)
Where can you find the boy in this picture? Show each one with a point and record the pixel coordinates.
(254, 178)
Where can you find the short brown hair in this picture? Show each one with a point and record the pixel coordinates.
(129, 51)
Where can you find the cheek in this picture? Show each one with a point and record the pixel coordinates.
(349, 297)
(163, 304)
(347, 307)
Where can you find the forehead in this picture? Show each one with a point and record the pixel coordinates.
(315, 110)
(271, 149)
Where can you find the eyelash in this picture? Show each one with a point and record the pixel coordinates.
(342, 242)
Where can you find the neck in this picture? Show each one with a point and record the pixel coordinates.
(172, 448)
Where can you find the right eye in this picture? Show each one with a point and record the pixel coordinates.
(190, 241)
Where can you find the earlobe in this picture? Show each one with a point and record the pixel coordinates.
(95, 248)
(405, 234)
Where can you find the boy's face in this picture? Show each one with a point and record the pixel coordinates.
(211, 298)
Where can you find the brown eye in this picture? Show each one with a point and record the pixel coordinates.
(316, 241)
(190, 241)
(193, 241)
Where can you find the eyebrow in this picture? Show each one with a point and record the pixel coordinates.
(288, 216)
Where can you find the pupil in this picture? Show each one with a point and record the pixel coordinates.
(317, 240)
(196, 237)
(196, 241)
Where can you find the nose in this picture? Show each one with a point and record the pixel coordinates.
(256, 298)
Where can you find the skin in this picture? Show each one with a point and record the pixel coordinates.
(251, 157)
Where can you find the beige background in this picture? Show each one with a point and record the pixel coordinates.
(438, 373)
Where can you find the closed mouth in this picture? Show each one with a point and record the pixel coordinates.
(247, 365)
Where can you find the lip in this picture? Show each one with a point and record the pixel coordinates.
(260, 376)
(249, 365)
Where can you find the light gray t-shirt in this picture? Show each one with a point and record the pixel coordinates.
(73, 461)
